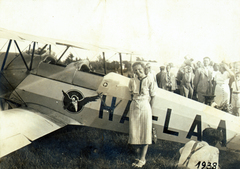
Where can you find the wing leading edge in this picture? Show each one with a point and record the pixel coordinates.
(19, 36)
(18, 127)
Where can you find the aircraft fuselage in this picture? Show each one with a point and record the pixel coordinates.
(175, 117)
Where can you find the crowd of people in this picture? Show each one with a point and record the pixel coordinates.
(215, 84)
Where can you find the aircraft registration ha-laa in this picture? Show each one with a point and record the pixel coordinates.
(38, 97)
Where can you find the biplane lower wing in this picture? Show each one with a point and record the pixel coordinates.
(18, 127)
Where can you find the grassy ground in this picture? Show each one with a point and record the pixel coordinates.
(75, 147)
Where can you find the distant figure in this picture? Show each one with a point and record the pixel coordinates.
(215, 69)
(161, 78)
(188, 61)
(180, 73)
(197, 65)
(142, 88)
(186, 87)
(179, 78)
(170, 79)
(150, 72)
(236, 95)
(130, 74)
(174, 71)
(221, 85)
(203, 80)
(203, 154)
(235, 69)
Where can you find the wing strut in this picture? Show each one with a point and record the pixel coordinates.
(21, 54)
(104, 63)
(50, 50)
(34, 43)
(120, 57)
(63, 53)
(6, 55)
(43, 49)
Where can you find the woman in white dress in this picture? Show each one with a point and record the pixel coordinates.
(142, 88)
(221, 81)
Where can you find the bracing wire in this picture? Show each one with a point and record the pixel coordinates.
(112, 56)
(60, 52)
(15, 57)
(95, 56)
(76, 53)
(14, 90)
(3, 45)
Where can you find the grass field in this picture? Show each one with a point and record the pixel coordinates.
(75, 147)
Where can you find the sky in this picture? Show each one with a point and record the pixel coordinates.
(161, 30)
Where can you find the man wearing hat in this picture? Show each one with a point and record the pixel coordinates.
(161, 78)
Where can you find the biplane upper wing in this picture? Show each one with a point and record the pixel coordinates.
(8, 34)
(18, 127)
(19, 36)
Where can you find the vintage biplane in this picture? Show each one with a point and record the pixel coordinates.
(39, 96)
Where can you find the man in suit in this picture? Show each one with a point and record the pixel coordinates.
(203, 80)
(161, 78)
(186, 87)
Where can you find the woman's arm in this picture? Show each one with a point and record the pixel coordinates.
(214, 86)
(228, 69)
(152, 88)
(152, 100)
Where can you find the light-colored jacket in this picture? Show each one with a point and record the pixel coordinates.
(204, 156)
